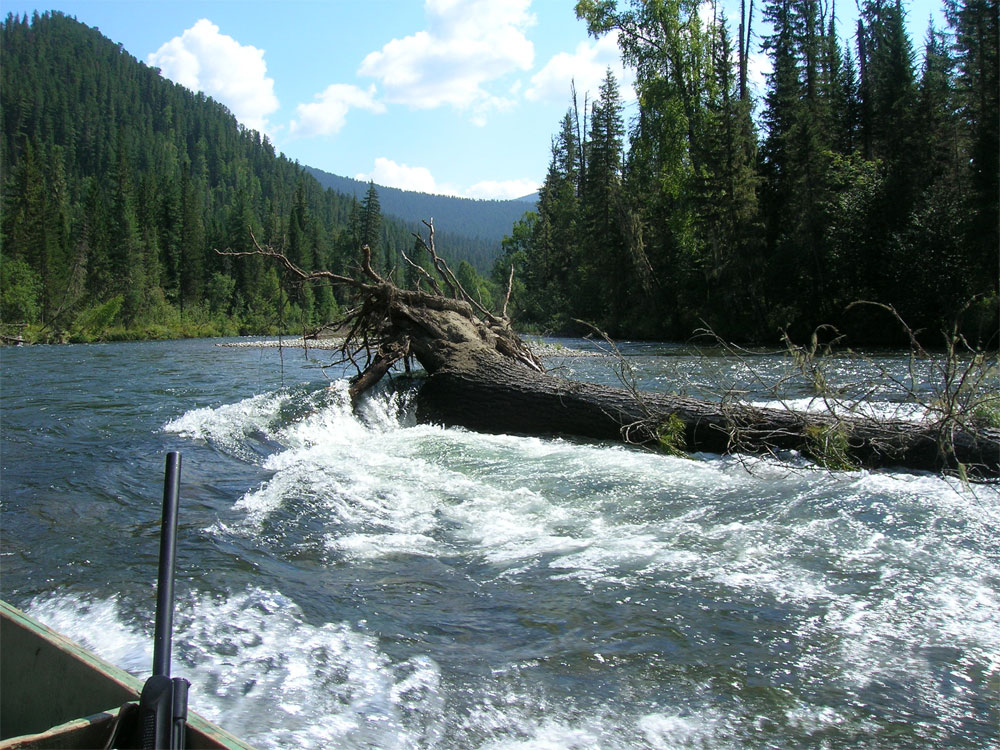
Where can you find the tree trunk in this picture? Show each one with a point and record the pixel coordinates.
(488, 393)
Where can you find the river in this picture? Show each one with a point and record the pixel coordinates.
(363, 581)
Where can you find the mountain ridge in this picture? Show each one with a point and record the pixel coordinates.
(483, 219)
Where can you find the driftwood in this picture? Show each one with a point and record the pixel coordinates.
(482, 376)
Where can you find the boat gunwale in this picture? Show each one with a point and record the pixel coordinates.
(202, 733)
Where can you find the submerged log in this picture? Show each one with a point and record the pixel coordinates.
(482, 376)
(487, 394)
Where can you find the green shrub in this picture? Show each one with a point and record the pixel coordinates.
(829, 446)
(986, 413)
(670, 436)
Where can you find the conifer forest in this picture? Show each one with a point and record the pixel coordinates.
(862, 171)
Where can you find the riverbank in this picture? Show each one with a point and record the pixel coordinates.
(332, 343)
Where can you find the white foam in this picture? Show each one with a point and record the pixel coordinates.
(98, 626)
(233, 428)
(881, 410)
(550, 735)
(377, 545)
(260, 670)
(670, 731)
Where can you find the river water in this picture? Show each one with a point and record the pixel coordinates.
(362, 581)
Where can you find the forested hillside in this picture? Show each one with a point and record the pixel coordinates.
(864, 174)
(118, 187)
(486, 220)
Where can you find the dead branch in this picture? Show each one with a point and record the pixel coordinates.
(288, 265)
(510, 288)
(423, 272)
(442, 268)
(389, 353)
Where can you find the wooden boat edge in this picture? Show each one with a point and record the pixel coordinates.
(118, 685)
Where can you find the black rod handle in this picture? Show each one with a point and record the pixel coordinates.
(168, 551)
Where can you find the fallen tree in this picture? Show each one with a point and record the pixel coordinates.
(482, 376)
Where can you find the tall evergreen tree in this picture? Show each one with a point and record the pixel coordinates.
(889, 82)
(932, 241)
(797, 157)
(729, 237)
(602, 273)
(555, 253)
(302, 252)
(192, 265)
(128, 274)
(370, 226)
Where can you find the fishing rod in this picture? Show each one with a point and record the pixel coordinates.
(163, 701)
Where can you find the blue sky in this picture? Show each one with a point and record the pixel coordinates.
(446, 96)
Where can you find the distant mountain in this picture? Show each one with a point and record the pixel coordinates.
(487, 220)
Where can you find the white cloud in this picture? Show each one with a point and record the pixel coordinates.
(707, 12)
(758, 69)
(326, 115)
(502, 189)
(468, 44)
(402, 176)
(202, 59)
(586, 67)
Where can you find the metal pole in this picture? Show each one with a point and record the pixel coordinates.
(168, 550)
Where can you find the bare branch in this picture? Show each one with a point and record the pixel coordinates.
(439, 265)
(423, 272)
(510, 288)
(366, 265)
(294, 269)
(457, 290)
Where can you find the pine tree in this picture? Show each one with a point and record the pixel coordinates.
(170, 223)
(795, 160)
(555, 247)
(937, 140)
(302, 252)
(128, 274)
(370, 225)
(242, 226)
(192, 261)
(727, 199)
(600, 279)
(889, 83)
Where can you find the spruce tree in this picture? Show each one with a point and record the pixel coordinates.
(192, 265)
(602, 272)
(555, 254)
(370, 226)
(727, 200)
